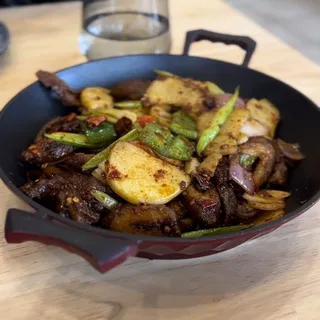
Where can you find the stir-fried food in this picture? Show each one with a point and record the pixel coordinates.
(168, 157)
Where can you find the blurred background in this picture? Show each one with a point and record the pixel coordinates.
(297, 22)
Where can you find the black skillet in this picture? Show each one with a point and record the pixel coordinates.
(30, 109)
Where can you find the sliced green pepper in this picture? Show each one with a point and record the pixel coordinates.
(107, 201)
(130, 104)
(165, 143)
(71, 139)
(164, 73)
(247, 161)
(102, 135)
(213, 88)
(214, 231)
(217, 121)
(184, 125)
(101, 156)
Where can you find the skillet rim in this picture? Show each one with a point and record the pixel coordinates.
(44, 212)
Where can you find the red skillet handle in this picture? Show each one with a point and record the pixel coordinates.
(246, 43)
(103, 253)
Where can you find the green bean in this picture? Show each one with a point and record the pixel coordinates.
(217, 121)
(213, 88)
(70, 139)
(130, 104)
(107, 201)
(215, 231)
(164, 73)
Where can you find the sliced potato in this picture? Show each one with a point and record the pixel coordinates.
(139, 177)
(267, 206)
(268, 216)
(191, 166)
(96, 97)
(278, 194)
(261, 198)
(243, 138)
(208, 166)
(162, 114)
(179, 92)
(226, 141)
(204, 120)
(114, 115)
(264, 112)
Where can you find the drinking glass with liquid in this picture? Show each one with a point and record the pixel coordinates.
(122, 27)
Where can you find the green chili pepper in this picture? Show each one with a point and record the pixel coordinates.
(103, 155)
(165, 143)
(107, 201)
(217, 121)
(184, 125)
(71, 139)
(215, 231)
(130, 104)
(164, 73)
(82, 118)
(213, 88)
(102, 135)
(247, 161)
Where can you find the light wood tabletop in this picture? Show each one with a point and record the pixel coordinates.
(275, 277)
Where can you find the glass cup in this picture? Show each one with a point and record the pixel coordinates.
(121, 27)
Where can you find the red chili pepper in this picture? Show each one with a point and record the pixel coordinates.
(96, 120)
(71, 116)
(145, 119)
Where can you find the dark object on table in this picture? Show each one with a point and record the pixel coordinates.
(106, 249)
(4, 38)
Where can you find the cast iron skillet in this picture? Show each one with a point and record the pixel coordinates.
(27, 112)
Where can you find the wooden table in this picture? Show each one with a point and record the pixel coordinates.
(276, 277)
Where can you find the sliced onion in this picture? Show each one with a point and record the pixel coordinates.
(261, 198)
(253, 128)
(267, 206)
(241, 176)
(290, 150)
(222, 99)
(277, 193)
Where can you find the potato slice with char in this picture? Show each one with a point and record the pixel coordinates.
(265, 113)
(95, 98)
(178, 92)
(226, 142)
(141, 178)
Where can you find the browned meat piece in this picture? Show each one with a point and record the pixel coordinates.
(280, 174)
(76, 160)
(46, 151)
(221, 175)
(67, 123)
(200, 182)
(69, 195)
(229, 203)
(155, 220)
(266, 153)
(68, 96)
(203, 206)
(123, 126)
(130, 90)
(178, 208)
(186, 225)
